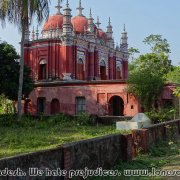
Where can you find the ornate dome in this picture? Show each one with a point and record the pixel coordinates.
(79, 23)
(53, 21)
(102, 34)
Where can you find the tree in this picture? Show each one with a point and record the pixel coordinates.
(9, 73)
(20, 13)
(158, 44)
(157, 63)
(146, 86)
(174, 75)
(132, 51)
(148, 71)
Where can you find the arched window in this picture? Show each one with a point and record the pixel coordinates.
(118, 72)
(55, 106)
(42, 69)
(80, 69)
(103, 70)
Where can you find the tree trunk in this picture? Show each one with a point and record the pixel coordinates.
(21, 74)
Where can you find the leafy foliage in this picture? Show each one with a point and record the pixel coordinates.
(177, 92)
(148, 71)
(146, 86)
(156, 63)
(174, 75)
(6, 105)
(9, 73)
(158, 44)
(161, 115)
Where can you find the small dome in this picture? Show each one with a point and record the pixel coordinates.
(53, 21)
(102, 34)
(79, 23)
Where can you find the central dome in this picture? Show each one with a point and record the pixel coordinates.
(53, 22)
(79, 23)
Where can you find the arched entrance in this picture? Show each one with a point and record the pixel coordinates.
(55, 106)
(103, 70)
(116, 106)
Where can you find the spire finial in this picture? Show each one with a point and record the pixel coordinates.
(124, 28)
(109, 21)
(80, 9)
(90, 13)
(67, 3)
(58, 7)
(98, 22)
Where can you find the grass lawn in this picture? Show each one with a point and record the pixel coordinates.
(30, 135)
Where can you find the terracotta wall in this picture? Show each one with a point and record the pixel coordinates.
(97, 98)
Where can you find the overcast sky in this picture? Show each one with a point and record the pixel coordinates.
(142, 18)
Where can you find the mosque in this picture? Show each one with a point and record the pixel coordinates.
(77, 68)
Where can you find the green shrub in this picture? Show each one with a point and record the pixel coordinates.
(82, 119)
(59, 119)
(161, 116)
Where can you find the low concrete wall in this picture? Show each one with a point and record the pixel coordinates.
(50, 159)
(145, 138)
(102, 152)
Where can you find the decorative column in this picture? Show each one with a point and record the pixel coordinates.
(67, 44)
(91, 61)
(111, 65)
(124, 50)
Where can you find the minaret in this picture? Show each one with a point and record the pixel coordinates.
(110, 34)
(67, 26)
(98, 23)
(58, 7)
(90, 23)
(124, 41)
(109, 30)
(80, 9)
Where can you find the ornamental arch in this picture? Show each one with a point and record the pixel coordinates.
(116, 106)
(55, 106)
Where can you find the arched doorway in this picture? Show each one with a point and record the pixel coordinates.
(80, 69)
(42, 69)
(116, 106)
(103, 70)
(55, 106)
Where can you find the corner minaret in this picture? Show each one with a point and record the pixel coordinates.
(80, 9)
(110, 34)
(90, 23)
(124, 41)
(98, 23)
(67, 26)
(109, 29)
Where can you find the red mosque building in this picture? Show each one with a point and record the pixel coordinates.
(77, 68)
